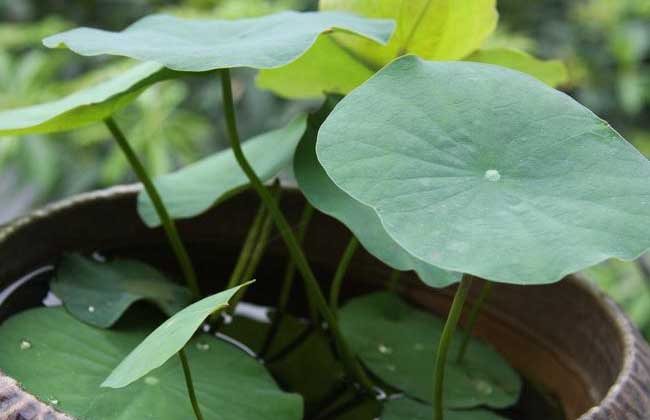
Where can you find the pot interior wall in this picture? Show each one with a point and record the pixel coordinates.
(560, 336)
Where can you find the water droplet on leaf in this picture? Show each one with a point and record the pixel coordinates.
(25, 344)
(483, 387)
(391, 368)
(492, 175)
(91, 309)
(384, 350)
(53, 401)
(151, 380)
(203, 346)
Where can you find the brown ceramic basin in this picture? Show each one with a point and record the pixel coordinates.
(568, 337)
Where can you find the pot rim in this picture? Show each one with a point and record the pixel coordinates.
(636, 354)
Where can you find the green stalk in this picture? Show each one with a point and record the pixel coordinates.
(393, 281)
(167, 222)
(471, 320)
(344, 263)
(290, 272)
(247, 248)
(190, 385)
(258, 251)
(349, 361)
(287, 286)
(445, 342)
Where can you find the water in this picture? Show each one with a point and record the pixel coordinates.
(295, 347)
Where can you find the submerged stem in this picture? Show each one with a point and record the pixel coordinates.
(167, 222)
(349, 361)
(443, 346)
(471, 320)
(190, 384)
(344, 263)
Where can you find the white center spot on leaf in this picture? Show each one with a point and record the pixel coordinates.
(91, 309)
(151, 380)
(492, 175)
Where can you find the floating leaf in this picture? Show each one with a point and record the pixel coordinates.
(208, 44)
(364, 223)
(405, 408)
(551, 72)
(197, 187)
(67, 360)
(167, 340)
(100, 293)
(86, 106)
(480, 169)
(396, 342)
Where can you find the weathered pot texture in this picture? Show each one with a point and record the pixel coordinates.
(567, 337)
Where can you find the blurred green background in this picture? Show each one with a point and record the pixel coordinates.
(604, 43)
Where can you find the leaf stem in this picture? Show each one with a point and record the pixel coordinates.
(471, 320)
(258, 251)
(349, 361)
(190, 384)
(262, 240)
(393, 281)
(247, 248)
(443, 346)
(344, 263)
(287, 285)
(167, 222)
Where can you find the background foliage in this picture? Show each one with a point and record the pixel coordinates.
(605, 44)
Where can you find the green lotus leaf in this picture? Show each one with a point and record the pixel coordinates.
(167, 340)
(396, 342)
(405, 408)
(338, 63)
(480, 169)
(431, 29)
(100, 293)
(208, 44)
(197, 187)
(364, 223)
(63, 361)
(86, 106)
(326, 67)
(551, 72)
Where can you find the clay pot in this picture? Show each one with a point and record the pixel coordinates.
(568, 337)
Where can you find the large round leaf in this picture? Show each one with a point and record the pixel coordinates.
(63, 361)
(324, 195)
(397, 342)
(485, 170)
(208, 44)
(197, 187)
(405, 408)
(85, 106)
